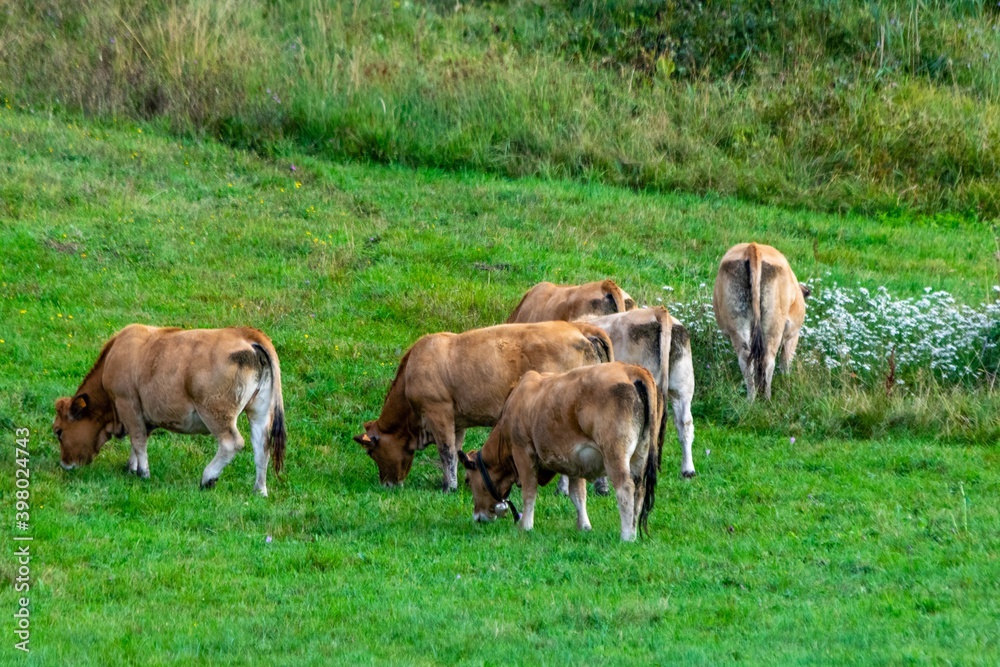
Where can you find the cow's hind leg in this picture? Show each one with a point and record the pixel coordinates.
(773, 342)
(741, 342)
(639, 495)
(681, 393)
(789, 341)
(230, 442)
(259, 414)
(621, 478)
(578, 494)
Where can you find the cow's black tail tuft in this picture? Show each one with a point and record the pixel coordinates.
(601, 347)
(650, 431)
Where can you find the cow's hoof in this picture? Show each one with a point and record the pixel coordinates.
(262, 492)
(688, 474)
(209, 483)
(601, 487)
(449, 489)
(143, 473)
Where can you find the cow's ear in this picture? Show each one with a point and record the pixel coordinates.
(364, 441)
(466, 461)
(78, 408)
(629, 304)
(806, 292)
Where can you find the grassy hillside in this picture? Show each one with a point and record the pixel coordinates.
(837, 106)
(818, 551)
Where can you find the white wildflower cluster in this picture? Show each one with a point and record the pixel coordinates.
(861, 330)
(858, 331)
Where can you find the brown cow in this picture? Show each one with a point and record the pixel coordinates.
(760, 305)
(448, 382)
(655, 340)
(194, 381)
(547, 301)
(585, 423)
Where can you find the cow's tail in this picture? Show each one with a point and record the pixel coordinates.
(599, 340)
(756, 359)
(663, 381)
(665, 322)
(602, 346)
(650, 433)
(277, 437)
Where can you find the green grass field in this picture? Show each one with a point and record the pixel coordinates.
(825, 551)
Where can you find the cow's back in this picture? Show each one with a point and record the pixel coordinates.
(547, 301)
(477, 370)
(166, 369)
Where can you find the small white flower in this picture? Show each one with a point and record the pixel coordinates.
(791, 440)
(707, 452)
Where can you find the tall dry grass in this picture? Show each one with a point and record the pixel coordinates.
(836, 106)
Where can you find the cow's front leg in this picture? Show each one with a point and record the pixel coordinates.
(459, 446)
(440, 421)
(528, 473)
(130, 415)
(578, 494)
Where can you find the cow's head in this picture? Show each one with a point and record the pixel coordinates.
(81, 430)
(485, 506)
(392, 453)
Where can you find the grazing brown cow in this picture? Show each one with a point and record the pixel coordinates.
(193, 381)
(585, 423)
(448, 382)
(760, 305)
(547, 301)
(655, 340)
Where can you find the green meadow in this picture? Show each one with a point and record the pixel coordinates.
(829, 549)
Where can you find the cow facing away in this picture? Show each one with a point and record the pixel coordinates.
(195, 381)
(584, 423)
(760, 305)
(548, 301)
(655, 340)
(449, 382)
